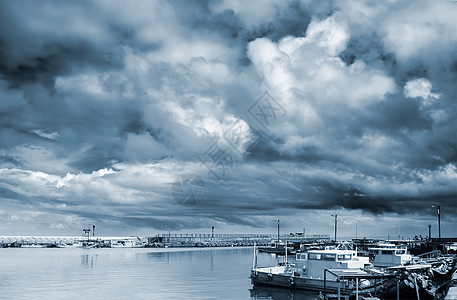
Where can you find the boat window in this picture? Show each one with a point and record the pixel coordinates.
(315, 256)
(328, 256)
(344, 257)
(302, 256)
(322, 256)
(387, 252)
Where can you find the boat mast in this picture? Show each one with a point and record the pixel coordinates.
(254, 261)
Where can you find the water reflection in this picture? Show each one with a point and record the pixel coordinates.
(212, 261)
(87, 261)
(191, 274)
(274, 293)
(158, 256)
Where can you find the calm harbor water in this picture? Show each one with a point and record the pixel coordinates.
(180, 273)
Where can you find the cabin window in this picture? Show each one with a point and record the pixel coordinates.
(315, 256)
(328, 256)
(302, 256)
(344, 256)
(322, 256)
(387, 252)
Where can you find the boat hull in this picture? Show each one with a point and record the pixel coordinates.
(277, 250)
(308, 284)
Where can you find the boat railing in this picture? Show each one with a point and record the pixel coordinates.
(431, 254)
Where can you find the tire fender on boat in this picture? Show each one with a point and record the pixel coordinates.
(291, 280)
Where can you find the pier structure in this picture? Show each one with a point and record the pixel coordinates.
(24, 241)
(192, 239)
(36, 240)
(160, 240)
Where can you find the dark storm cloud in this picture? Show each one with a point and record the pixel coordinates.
(40, 41)
(103, 104)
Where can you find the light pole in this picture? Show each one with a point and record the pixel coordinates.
(169, 233)
(429, 231)
(439, 221)
(278, 228)
(93, 230)
(336, 222)
(87, 231)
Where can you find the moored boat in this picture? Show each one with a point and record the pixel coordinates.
(277, 247)
(330, 270)
(389, 255)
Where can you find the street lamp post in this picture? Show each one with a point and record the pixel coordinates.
(439, 220)
(278, 228)
(336, 222)
(169, 233)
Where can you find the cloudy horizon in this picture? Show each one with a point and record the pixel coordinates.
(293, 110)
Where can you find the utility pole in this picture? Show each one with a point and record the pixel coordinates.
(439, 221)
(429, 231)
(278, 228)
(93, 230)
(212, 232)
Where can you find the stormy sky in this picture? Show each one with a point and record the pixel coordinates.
(284, 109)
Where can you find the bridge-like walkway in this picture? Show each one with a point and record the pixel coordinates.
(234, 238)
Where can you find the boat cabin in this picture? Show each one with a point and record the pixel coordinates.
(388, 255)
(313, 262)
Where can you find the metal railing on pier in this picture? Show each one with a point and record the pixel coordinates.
(222, 237)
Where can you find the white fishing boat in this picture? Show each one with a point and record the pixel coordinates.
(331, 269)
(126, 243)
(278, 247)
(389, 255)
(32, 246)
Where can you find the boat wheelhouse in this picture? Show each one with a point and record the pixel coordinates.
(313, 262)
(389, 255)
